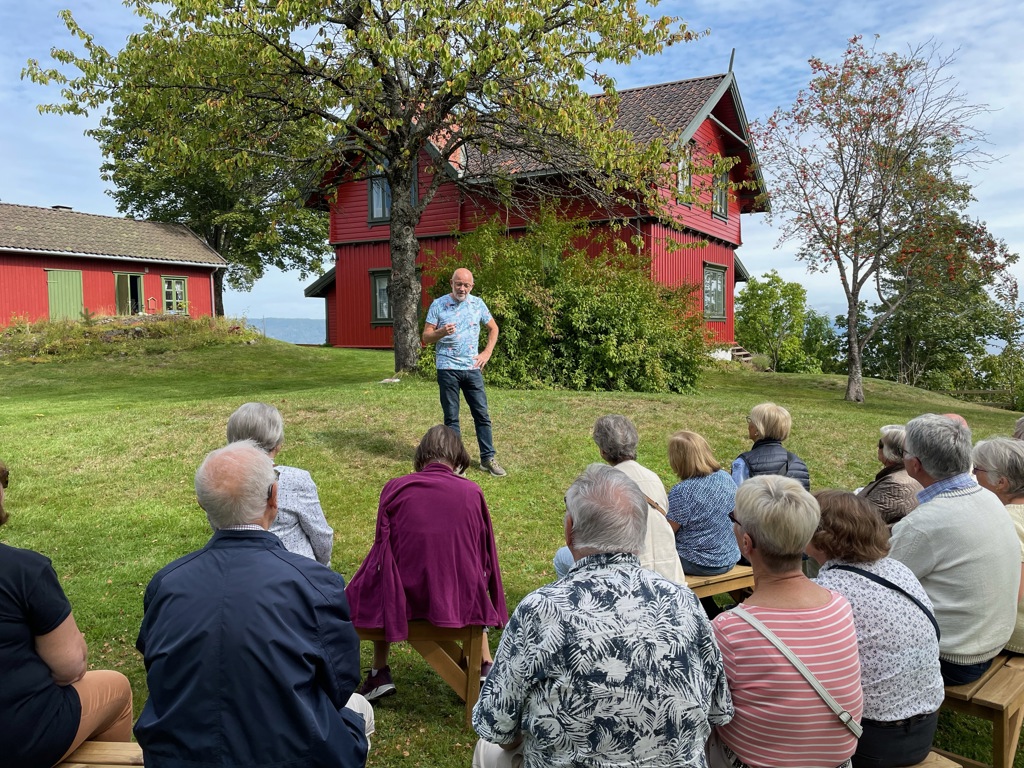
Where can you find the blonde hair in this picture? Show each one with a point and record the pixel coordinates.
(689, 455)
(779, 516)
(771, 421)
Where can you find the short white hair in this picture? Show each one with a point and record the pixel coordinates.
(608, 512)
(941, 444)
(233, 484)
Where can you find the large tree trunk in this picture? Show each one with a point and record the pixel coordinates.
(218, 292)
(404, 290)
(854, 363)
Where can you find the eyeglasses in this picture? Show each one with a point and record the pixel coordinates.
(976, 470)
(732, 517)
(277, 476)
(880, 446)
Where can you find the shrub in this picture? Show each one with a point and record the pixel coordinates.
(576, 321)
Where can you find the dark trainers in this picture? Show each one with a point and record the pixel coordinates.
(493, 467)
(377, 686)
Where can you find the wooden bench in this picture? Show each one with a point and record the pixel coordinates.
(935, 760)
(740, 577)
(997, 696)
(454, 653)
(104, 754)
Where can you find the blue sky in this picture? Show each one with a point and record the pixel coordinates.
(46, 160)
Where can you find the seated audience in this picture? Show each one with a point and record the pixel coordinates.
(1018, 429)
(616, 438)
(699, 506)
(999, 467)
(251, 659)
(893, 492)
(896, 637)
(780, 720)
(612, 665)
(50, 703)
(961, 545)
(300, 523)
(768, 425)
(433, 557)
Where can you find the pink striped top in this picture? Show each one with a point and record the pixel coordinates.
(780, 721)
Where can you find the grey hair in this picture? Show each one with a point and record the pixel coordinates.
(233, 483)
(942, 445)
(1002, 457)
(616, 438)
(780, 516)
(894, 442)
(1018, 429)
(258, 422)
(608, 512)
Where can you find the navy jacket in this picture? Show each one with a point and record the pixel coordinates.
(769, 457)
(250, 658)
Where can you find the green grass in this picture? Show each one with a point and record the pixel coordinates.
(102, 454)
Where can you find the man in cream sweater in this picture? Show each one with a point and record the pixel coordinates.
(961, 545)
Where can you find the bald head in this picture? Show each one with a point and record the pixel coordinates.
(234, 485)
(462, 284)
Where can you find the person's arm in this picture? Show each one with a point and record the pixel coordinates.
(1020, 589)
(306, 501)
(492, 338)
(739, 471)
(64, 652)
(432, 333)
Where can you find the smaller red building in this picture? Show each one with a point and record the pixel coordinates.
(56, 263)
(706, 114)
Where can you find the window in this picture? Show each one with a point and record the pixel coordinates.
(684, 172)
(128, 293)
(380, 306)
(720, 205)
(380, 198)
(714, 292)
(175, 295)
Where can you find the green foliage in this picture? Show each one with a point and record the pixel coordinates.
(99, 337)
(772, 320)
(574, 321)
(821, 344)
(293, 98)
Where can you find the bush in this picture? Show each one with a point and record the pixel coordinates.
(126, 336)
(576, 321)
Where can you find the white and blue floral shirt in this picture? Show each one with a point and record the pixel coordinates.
(458, 351)
(611, 665)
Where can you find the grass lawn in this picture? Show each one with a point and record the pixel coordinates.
(102, 455)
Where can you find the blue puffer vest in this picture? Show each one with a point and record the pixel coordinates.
(769, 457)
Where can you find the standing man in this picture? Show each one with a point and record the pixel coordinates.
(453, 325)
(612, 665)
(250, 655)
(961, 544)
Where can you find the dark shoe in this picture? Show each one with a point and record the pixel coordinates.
(485, 670)
(377, 686)
(493, 467)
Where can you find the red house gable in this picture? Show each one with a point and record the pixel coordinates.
(705, 112)
(56, 263)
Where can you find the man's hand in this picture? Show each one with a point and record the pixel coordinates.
(481, 360)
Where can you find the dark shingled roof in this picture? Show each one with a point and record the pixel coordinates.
(653, 110)
(64, 232)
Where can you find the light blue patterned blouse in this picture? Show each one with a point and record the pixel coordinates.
(300, 524)
(612, 665)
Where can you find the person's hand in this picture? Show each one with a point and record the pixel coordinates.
(481, 360)
(449, 329)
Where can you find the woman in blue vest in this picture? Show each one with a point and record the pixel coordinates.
(768, 425)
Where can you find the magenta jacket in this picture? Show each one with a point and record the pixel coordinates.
(433, 558)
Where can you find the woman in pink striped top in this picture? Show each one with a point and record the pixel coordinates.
(780, 721)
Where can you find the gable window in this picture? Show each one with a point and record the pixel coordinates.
(380, 306)
(720, 204)
(175, 295)
(714, 292)
(380, 198)
(684, 172)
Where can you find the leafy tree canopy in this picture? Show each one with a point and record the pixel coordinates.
(278, 93)
(865, 165)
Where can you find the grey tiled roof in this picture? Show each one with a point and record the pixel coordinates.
(653, 110)
(66, 232)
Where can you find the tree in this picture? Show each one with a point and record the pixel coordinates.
(865, 166)
(486, 86)
(770, 316)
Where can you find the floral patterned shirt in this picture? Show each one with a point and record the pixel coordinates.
(611, 665)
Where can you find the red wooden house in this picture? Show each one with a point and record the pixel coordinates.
(707, 113)
(56, 263)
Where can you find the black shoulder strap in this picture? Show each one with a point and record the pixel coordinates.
(886, 583)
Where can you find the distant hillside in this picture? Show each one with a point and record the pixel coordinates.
(297, 330)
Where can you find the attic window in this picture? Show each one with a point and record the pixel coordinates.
(380, 198)
(684, 172)
(720, 204)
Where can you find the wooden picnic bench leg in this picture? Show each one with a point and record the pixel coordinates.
(1005, 735)
(474, 659)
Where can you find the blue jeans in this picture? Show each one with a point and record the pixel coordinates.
(961, 674)
(450, 381)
